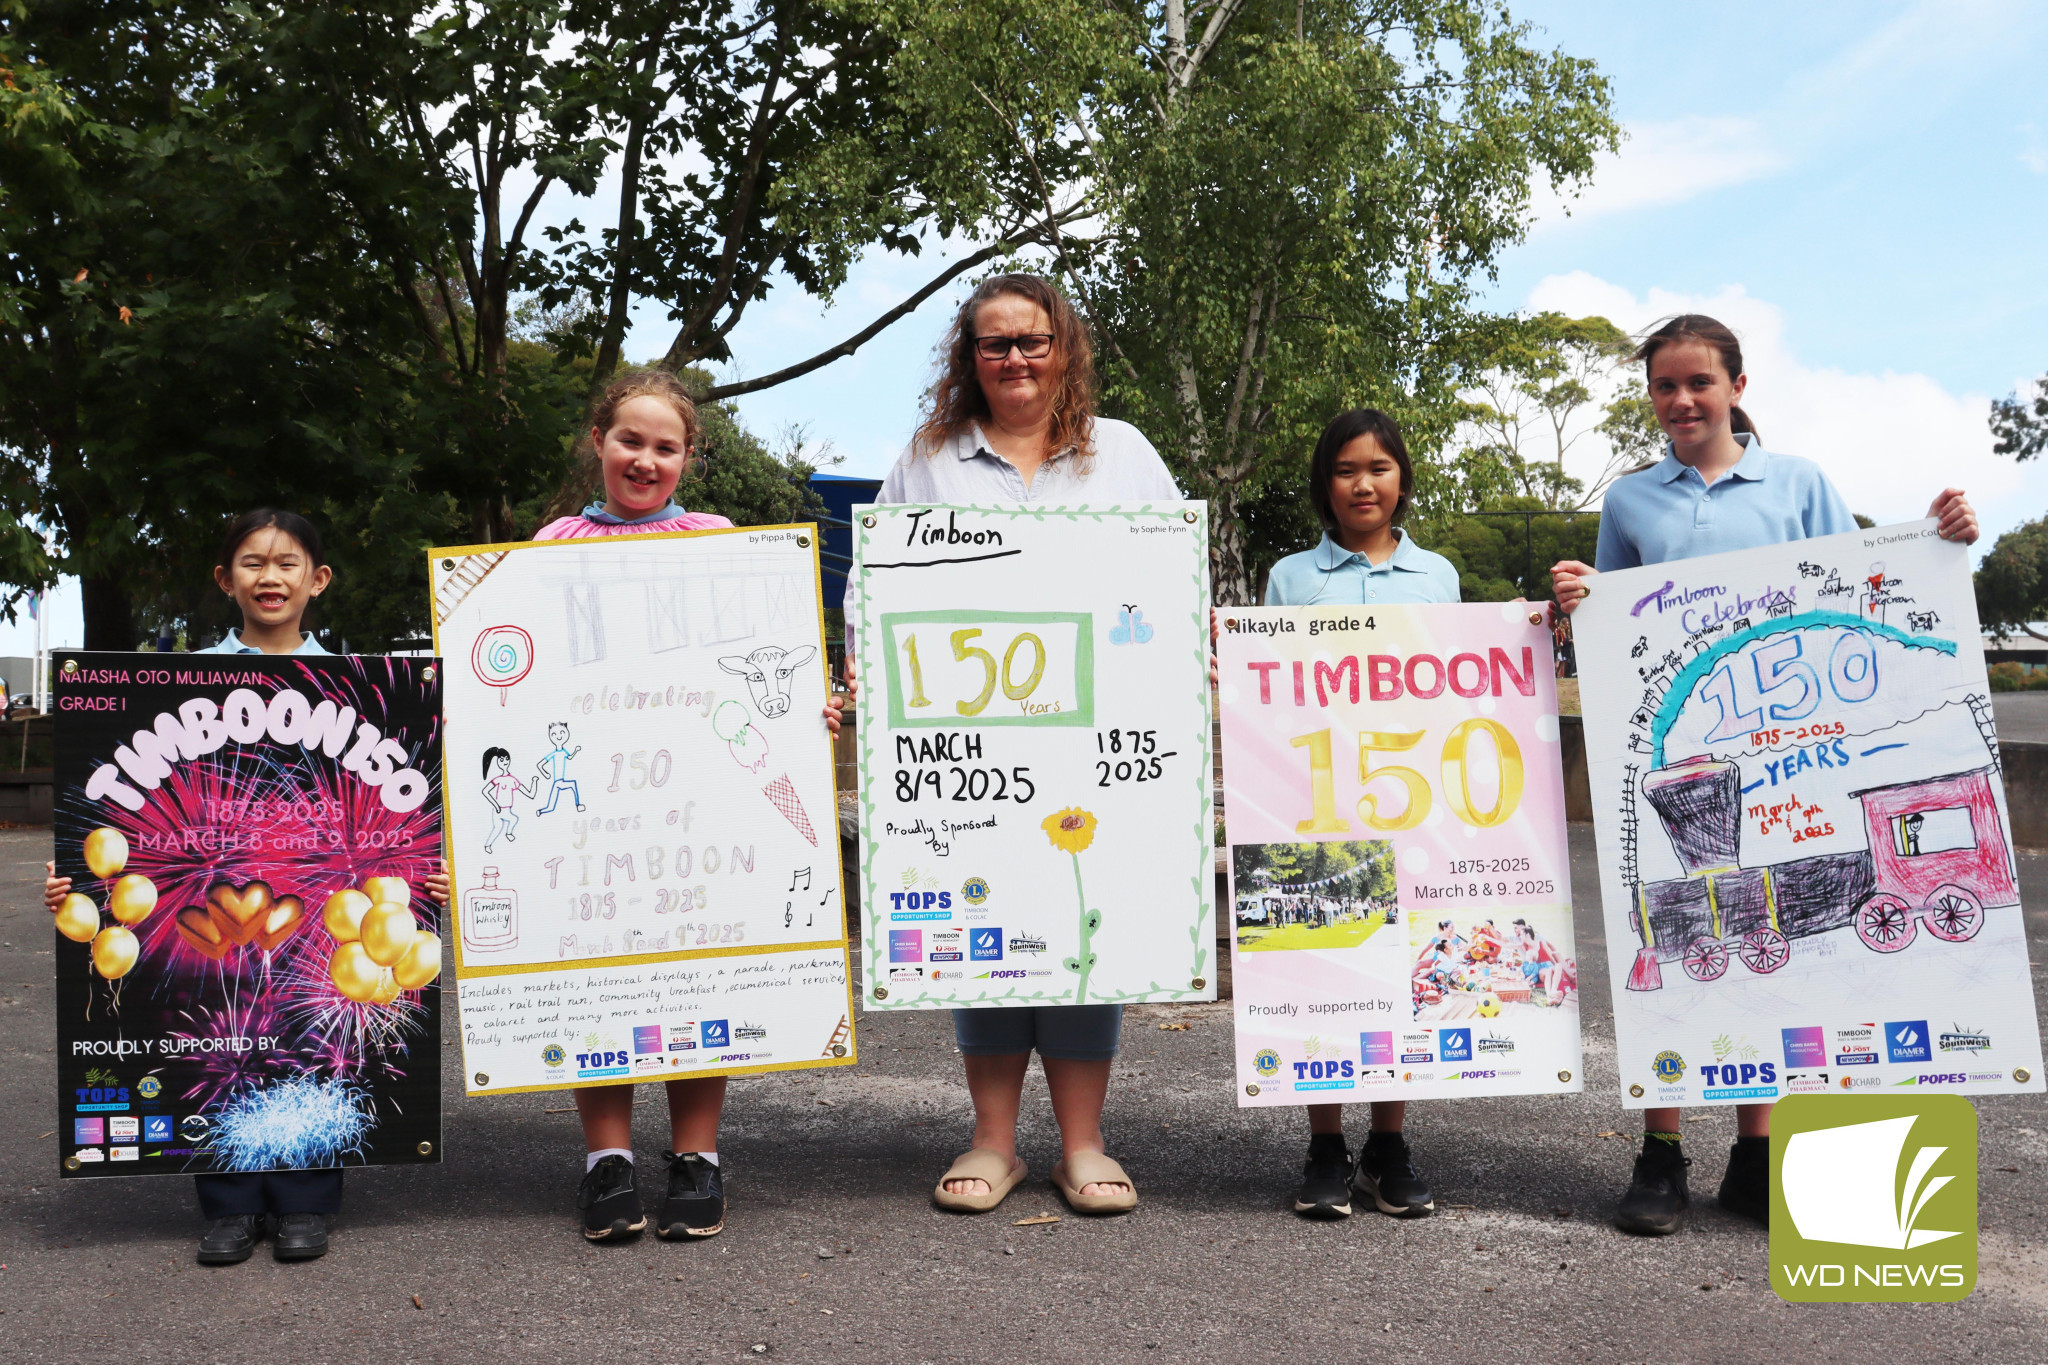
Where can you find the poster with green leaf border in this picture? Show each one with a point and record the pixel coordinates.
(1036, 803)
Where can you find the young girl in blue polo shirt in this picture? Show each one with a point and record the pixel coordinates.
(1360, 480)
(1716, 489)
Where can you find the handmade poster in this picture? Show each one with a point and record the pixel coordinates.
(642, 819)
(247, 967)
(1805, 860)
(1400, 889)
(1035, 803)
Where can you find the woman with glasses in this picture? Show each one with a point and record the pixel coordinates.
(1011, 419)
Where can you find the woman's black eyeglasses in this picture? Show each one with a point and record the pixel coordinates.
(1032, 346)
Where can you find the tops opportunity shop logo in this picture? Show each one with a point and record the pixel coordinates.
(199, 727)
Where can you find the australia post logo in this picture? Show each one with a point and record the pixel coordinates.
(1873, 1198)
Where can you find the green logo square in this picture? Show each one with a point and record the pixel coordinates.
(1873, 1198)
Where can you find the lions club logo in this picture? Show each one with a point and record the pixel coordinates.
(974, 890)
(1267, 1063)
(553, 1055)
(1670, 1067)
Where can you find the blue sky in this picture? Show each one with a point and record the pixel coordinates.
(1860, 189)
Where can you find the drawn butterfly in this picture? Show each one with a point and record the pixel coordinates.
(1130, 627)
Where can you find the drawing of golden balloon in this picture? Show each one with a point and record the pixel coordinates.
(78, 919)
(343, 915)
(387, 989)
(114, 952)
(133, 898)
(388, 930)
(387, 890)
(106, 852)
(353, 974)
(421, 963)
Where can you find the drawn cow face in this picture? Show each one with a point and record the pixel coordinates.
(767, 671)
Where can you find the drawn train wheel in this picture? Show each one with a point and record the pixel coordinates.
(1953, 914)
(1885, 923)
(1705, 959)
(1765, 950)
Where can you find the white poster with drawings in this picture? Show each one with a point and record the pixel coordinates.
(1805, 857)
(640, 809)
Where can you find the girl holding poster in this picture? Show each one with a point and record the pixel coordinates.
(272, 567)
(1716, 489)
(1360, 480)
(1011, 420)
(643, 434)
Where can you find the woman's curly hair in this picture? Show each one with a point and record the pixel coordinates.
(955, 400)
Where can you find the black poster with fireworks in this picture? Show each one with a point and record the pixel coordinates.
(247, 965)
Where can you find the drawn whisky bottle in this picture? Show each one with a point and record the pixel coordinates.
(490, 914)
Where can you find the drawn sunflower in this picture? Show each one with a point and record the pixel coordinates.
(1071, 830)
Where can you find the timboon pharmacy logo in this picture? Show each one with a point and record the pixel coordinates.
(1873, 1198)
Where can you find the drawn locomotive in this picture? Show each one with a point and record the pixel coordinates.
(1936, 852)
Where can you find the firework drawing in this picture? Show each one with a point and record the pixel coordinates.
(248, 949)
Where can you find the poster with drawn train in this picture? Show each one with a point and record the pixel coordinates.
(641, 817)
(1035, 805)
(1399, 881)
(1805, 857)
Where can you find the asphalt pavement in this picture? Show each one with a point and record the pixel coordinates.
(2021, 715)
(833, 1252)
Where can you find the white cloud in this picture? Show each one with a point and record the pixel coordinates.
(1890, 441)
(1669, 163)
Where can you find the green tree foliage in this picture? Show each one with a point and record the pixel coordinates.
(1368, 868)
(1550, 386)
(2012, 582)
(2019, 422)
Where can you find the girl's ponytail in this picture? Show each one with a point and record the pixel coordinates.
(1738, 422)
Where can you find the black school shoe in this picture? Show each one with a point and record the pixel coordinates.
(1325, 1191)
(1655, 1202)
(695, 1206)
(1386, 1176)
(299, 1237)
(1746, 1188)
(610, 1201)
(232, 1240)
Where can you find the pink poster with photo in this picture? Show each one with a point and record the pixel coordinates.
(1400, 889)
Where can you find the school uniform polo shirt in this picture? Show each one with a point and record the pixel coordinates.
(1331, 575)
(232, 644)
(1669, 512)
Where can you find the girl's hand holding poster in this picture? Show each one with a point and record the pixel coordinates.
(1399, 880)
(1805, 857)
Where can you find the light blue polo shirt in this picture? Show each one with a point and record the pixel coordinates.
(232, 644)
(1668, 512)
(1331, 575)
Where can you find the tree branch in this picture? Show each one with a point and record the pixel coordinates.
(868, 333)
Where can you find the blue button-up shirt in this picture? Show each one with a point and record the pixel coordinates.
(1669, 512)
(232, 644)
(1331, 575)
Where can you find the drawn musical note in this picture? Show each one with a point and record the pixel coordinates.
(788, 914)
(801, 874)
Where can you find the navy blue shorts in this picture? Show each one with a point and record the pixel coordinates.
(1070, 1033)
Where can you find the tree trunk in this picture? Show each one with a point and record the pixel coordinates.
(1230, 582)
(109, 615)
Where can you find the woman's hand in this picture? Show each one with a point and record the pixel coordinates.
(836, 702)
(1958, 519)
(435, 884)
(1568, 583)
(55, 888)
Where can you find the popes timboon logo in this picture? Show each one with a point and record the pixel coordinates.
(1873, 1198)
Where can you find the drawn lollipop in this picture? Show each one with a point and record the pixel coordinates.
(502, 656)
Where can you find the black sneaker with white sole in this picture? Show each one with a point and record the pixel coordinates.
(610, 1201)
(695, 1206)
(1325, 1191)
(1386, 1175)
